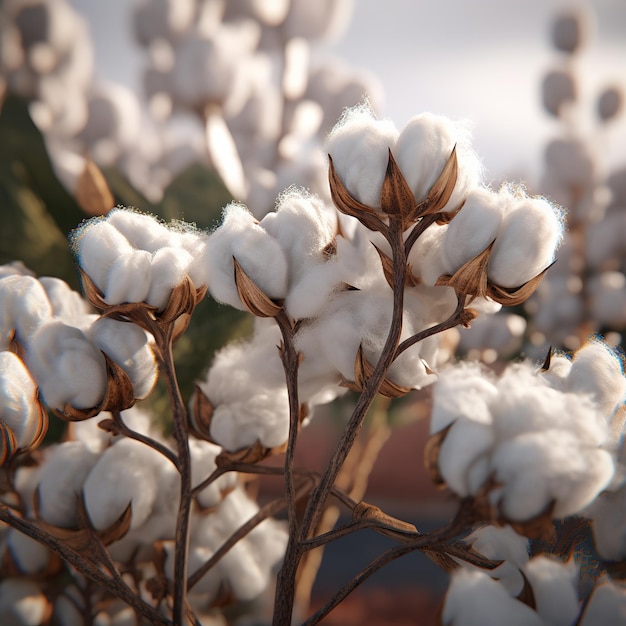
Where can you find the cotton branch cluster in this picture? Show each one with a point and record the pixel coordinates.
(56, 352)
(531, 444)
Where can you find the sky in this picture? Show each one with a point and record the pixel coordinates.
(472, 59)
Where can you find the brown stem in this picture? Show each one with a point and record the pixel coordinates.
(269, 510)
(116, 586)
(285, 590)
(454, 320)
(123, 429)
(181, 436)
(291, 362)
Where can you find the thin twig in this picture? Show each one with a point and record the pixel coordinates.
(123, 429)
(115, 586)
(451, 322)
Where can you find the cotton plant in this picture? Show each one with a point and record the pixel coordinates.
(351, 290)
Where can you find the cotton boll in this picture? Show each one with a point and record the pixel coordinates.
(559, 90)
(98, 245)
(167, 19)
(169, 267)
(325, 19)
(531, 232)
(426, 257)
(475, 599)
(463, 391)
(126, 473)
(25, 307)
(19, 407)
(503, 333)
(609, 534)
(129, 278)
(203, 456)
(607, 605)
(598, 371)
(464, 444)
(559, 370)
(604, 240)
(129, 347)
(257, 252)
(22, 602)
(308, 296)
(66, 303)
(554, 587)
(502, 543)
(29, 555)
(608, 298)
(263, 417)
(142, 231)
(66, 366)
(423, 148)
(65, 470)
(473, 228)
(359, 147)
(554, 465)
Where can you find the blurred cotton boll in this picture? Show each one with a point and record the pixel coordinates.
(22, 602)
(559, 92)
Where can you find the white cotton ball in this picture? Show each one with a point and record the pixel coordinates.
(359, 146)
(464, 445)
(142, 231)
(257, 252)
(502, 543)
(462, 392)
(555, 590)
(426, 257)
(308, 296)
(29, 555)
(530, 234)
(25, 307)
(169, 268)
(538, 468)
(607, 605)
(598, 371)
(325, 19)
(64, 471)
(129, 278)
(66, 303)
(571, 162)
(98, 245)
(423, 148)
(19, 408)
(67, 367)
(126, 473)
(473, 228)
(609, 533)
(604, 239)
(475, 599)
(203, 456)
(129, 347)
(22, 602)
(557, 373)
(263, 417)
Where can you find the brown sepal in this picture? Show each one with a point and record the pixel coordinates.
(118, 396)
(363, 370)
(545, 366)
(256, 453)
(200, 415)
(431, 456)
(83, 537)
(92, 190)
(224, 597)
(471, 278)
(396, 197)
(254, 298)
(347, 204)
(539, 527)
(516, 295)
(470, 555)
(467, 317)
(410, 279)
(440, 192)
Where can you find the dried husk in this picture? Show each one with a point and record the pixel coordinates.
(347, 204)
(253, 297)
(366, 511)
(93, 194)
(431, 456)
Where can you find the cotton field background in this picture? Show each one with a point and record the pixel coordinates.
(312, 312)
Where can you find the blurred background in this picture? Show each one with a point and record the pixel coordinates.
(185, 105)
